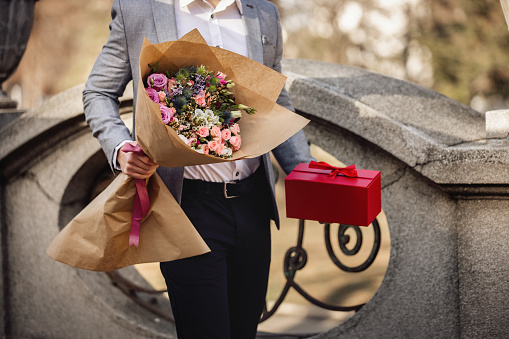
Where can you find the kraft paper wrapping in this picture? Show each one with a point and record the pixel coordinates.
(97, 239)
(256, 86)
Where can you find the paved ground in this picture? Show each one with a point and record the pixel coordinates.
(300, 321)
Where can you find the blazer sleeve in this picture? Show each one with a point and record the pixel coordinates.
(296, 149)
(106, 83)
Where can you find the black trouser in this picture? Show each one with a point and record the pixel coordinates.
(221, 294)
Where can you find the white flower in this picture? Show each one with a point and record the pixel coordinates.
(214, 120)
(236, 114)
(198, 113)
(228, 151)
(183, 138)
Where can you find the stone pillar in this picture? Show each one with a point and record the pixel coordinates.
(483, 264)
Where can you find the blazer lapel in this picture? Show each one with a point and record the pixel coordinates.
(253, 32)
(164, 20)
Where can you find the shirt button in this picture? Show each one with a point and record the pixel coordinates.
(212, 16)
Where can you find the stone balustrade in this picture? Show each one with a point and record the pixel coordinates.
(445, 190)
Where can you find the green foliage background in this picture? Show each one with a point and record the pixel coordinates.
(470, 45)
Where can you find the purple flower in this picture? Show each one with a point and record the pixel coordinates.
(157, 80)
(167, 113)
(152, 94)
(199, 84)
(176, 92)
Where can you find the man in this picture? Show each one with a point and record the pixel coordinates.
(220, 294)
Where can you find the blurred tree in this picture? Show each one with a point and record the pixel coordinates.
(373, 34)
(469, 41)
(457, 47)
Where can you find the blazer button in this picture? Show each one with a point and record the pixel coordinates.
(212, 16)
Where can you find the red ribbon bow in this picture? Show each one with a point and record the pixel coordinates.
(348, 171)
(141, 200)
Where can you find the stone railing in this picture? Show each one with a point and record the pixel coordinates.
(444, 191)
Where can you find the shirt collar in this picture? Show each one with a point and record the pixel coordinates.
(185, 3)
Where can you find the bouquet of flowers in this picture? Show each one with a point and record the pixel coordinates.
(199, 106)
(194, 105)
(184, 105)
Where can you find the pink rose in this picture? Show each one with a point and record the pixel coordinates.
(235, 142)
(213, 145)
(215, 132)
(171, 83)
(152, 94)
(235, 128)
(157, 81)
(203, 149)
(162, 96)
(192, 141)
(203, 132)
(166, 113)
(200, 100)
(226, 134)
(220, 149)
(181, 128)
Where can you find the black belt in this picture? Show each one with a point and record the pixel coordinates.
(229, 189)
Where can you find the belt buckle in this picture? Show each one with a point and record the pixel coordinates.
(226, 191)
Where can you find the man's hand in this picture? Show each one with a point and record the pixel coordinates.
(134, 165)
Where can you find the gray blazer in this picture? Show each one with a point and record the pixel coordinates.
(118, 63)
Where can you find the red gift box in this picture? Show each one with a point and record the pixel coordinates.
(333, 195)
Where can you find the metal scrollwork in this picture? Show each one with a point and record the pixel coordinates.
(296, 259)
(344, 239)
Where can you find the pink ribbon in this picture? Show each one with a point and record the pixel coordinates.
(141, 200)
(348, 171)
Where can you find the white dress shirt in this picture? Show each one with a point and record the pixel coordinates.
(220, 27)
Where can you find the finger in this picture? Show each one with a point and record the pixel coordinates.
(133, 166)
(140, 161)
(137, 173)
(147, 160)
(136, 168)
